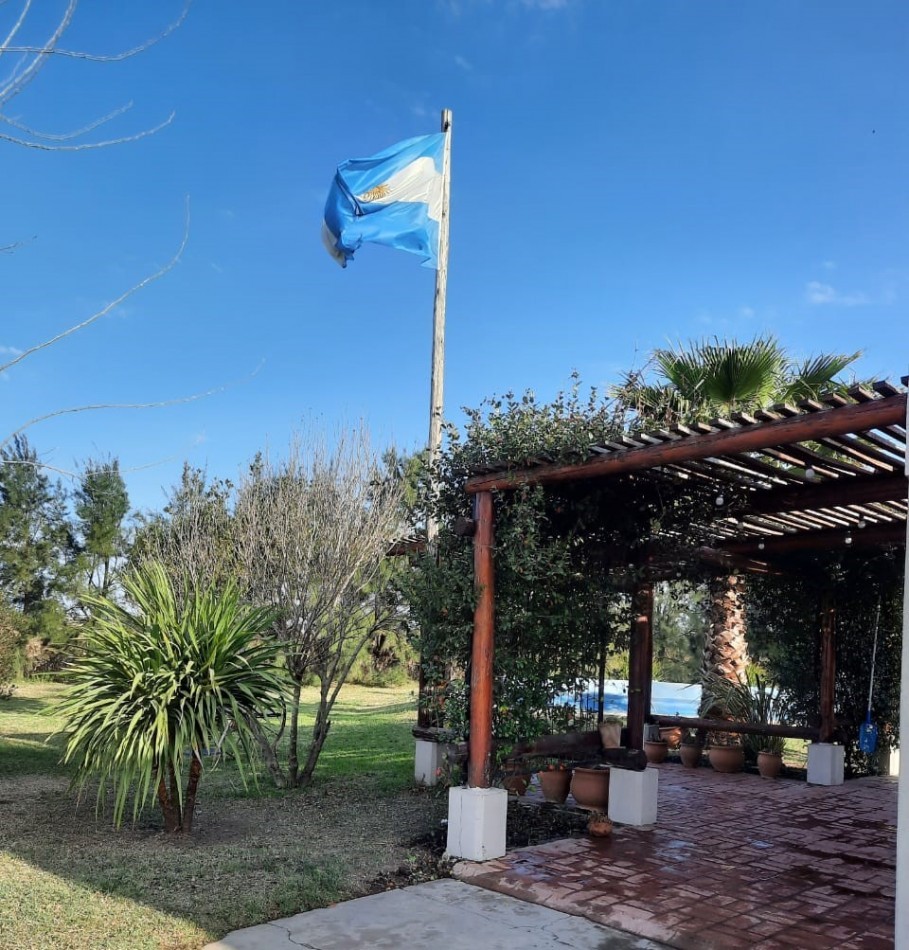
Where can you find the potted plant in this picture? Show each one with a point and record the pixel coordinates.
(757, 700)
(690, 749)
(590, 787)
(770, 757)
(726, 753)
(555, 779)
(611, 732)
(656, 750)
(516, 782)
(599, 825)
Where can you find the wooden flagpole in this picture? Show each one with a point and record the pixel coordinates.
(437, 376)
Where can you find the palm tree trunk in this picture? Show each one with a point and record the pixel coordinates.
(168, 807)
(726, 646)
(192, 786)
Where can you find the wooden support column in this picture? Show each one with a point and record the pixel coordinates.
(828, 667)
(640, 662)
(479, 765)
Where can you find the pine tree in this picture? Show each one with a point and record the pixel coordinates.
(36, 542)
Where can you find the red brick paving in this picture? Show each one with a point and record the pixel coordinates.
(733, 861)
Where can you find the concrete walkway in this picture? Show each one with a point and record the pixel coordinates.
(446, 913)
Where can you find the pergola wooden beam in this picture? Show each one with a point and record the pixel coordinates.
(874, 414)
(833, 494)
(822, 540)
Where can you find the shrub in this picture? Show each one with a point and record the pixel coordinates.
(159, 683)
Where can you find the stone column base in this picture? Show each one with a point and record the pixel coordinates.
(633, 796)
(429, 758)
(826, 763)
(476, 823)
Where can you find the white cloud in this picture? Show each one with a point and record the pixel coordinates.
(463, 63)
(829, 265)
(746, 312)
(10, 350)
(819, 294)
(419, 110)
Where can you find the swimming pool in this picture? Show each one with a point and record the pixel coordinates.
(667, 699)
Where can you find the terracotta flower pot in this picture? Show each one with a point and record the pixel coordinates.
(656, 750)
(516, 784)
(690, 755)
(727, 758)
(590, 788)
(770, 764)
(554, 784)
(610, 734)
(599, 826)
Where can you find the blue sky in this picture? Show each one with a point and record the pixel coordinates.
(623, 174)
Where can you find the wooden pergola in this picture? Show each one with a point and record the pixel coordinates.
(814, 476)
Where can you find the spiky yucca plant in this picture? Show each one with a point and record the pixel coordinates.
(158, 681)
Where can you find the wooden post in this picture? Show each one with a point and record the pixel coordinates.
(437, 375)
(640, 662)
(481, 665)
(828, 667)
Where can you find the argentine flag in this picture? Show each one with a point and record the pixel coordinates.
(393, 198)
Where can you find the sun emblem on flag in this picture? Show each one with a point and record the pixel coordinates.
(375, 194)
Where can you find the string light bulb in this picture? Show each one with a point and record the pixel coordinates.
(810, 473)
(761, 545)
(848, 537)
(720, 500)
(862, 523)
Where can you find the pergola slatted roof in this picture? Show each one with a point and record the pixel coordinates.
(810, 473)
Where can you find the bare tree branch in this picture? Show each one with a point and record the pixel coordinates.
(107, 308)
(33, 58)
(160, 404)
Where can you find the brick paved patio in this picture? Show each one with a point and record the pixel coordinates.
(734, 861)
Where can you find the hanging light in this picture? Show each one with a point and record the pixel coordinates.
(810, 473)
(862, 523)
(848, 537)
(761, 545)
(720, 500)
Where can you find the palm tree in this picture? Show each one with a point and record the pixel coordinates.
(161, 681)
(722, 376)
(714, 378)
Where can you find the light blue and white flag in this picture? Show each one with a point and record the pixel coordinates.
(393, 198)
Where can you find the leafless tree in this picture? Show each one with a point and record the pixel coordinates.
(311, 533)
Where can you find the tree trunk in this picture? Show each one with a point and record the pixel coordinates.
(726, 646)
(269, 754)
(293, 759)
(192, 786)
(319, 735)
(168, 808)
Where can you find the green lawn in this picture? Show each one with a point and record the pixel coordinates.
(68, 880)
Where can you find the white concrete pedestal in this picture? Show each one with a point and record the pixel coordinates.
(428, 759)
(889, 762)
(476, 823)
(826, 763)
(633, 796)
